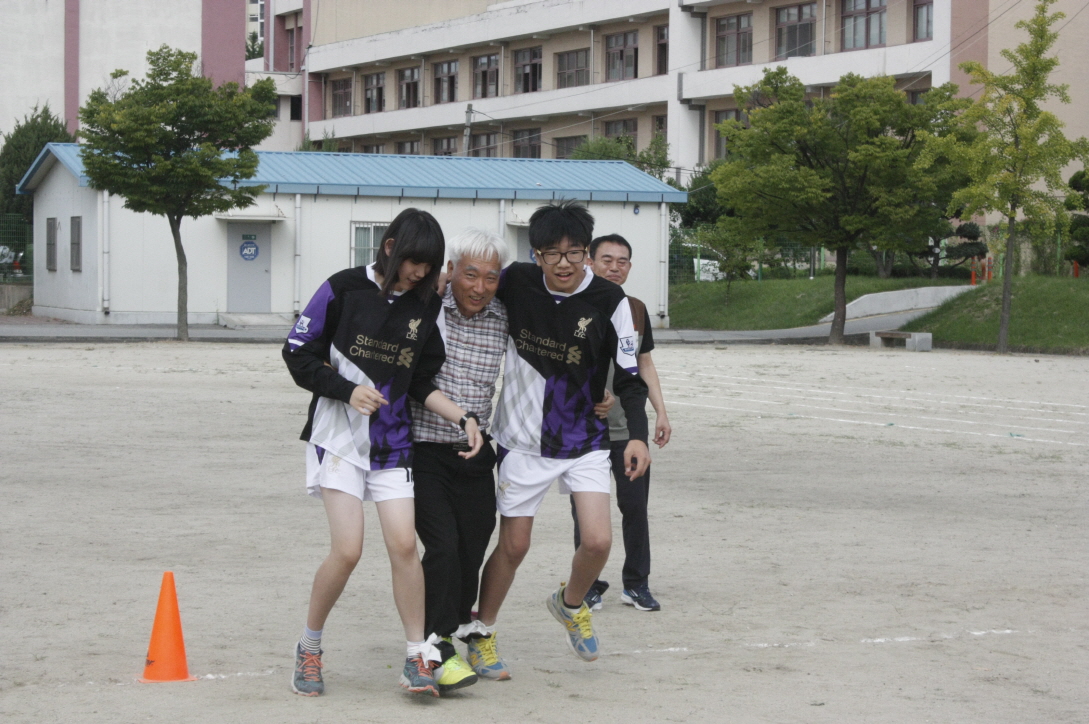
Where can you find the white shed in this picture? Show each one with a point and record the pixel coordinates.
(99, 263)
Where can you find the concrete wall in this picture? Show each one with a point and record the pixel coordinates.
(31, 75)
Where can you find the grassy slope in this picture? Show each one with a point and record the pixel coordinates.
(1047, 313)
(773, 303)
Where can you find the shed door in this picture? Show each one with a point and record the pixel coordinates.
(249, 264)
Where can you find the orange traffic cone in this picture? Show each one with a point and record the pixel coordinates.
(166, 652)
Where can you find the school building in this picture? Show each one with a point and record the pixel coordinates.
(99, 263)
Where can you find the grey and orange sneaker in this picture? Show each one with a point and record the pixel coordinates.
(579, 625)
(417, 676)
(306, 680)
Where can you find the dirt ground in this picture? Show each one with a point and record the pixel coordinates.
(839, 535)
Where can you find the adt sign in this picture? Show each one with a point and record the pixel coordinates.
(249, 250)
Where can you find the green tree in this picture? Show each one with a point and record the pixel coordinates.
(175, 146)
(254, 47)
(654, 159)
(17, 154)
(838, 172)
(1078, 249)
(704, 205)
(1016, 159)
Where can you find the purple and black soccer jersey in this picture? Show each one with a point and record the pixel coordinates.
(559, 353)
(350, 334)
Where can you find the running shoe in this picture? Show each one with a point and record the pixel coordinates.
(306, 681)
(641, 598)
(593, 596)
(417, 677)
(484, 656)
(579, 625)
(454, 672)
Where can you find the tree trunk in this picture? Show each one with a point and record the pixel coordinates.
(884, 261)
(839, 316)
(1007, 288)
(935, 260)
(183, 279)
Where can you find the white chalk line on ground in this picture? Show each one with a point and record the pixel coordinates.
(911, 392)
(1009, 436)
(768, 390)
(885, 412)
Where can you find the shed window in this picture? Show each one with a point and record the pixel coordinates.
(366, 238)
(76, 245)
(51, 244)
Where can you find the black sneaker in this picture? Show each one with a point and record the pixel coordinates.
(641, 598)
(592, 599)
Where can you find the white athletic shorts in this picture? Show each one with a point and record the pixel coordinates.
(524, 479)
(328, 471)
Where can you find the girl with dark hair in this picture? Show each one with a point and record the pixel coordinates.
(366, 342)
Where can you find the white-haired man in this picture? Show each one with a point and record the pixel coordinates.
(455, 497)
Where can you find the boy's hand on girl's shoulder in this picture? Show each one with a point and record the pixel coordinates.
(636, 459)
(366, 399)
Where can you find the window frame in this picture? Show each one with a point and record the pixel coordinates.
(75, 244)
(624, 124)
(444, 146)
(484, 145)
(526, 138)
(52, 231)
(618, 55)
(661, 49)
(564, 147)
(340, 106)
(408, 88)
(296, 108)
(486, 76)
(917, 6)
(872, 11)
(729, 114)
(782, 27)
(356, 248)
(399, 145)
(374, 148)
(528, 70)
(575, 72)
(722, 32)
(374, 92)
(445, 73)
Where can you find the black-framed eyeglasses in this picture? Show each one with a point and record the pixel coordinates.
(574, 256)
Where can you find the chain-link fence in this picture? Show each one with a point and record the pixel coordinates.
(16, 250)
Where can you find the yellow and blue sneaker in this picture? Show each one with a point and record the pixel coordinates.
(579, 625)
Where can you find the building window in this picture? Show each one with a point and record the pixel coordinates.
(51, 244)
(573, 69)
(447, 146)
(733, 41)
(407, 148)
(527, 71)
(342, 97)
(296, 108)
(291, 49)
(484, 145)
(917, 97)
(565, 147)
(661, 125)
(622, 56)
(446, 81)
(76, 244)
(527, 143)
(661, 62)
(620, 129)
(408, 81)
(486, 76)
(374, 93)
(794, 31)
(721, 116)
(924, 19)
(863, 24)
(374, 148)
(366, 238)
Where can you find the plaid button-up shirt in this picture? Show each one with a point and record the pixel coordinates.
(474, 351)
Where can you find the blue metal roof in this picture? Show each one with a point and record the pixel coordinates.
(451, 177)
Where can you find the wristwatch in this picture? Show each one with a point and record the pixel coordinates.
(468, 416)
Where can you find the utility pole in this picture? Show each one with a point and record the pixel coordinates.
(468, 129)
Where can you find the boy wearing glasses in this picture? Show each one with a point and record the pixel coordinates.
(568, 328)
